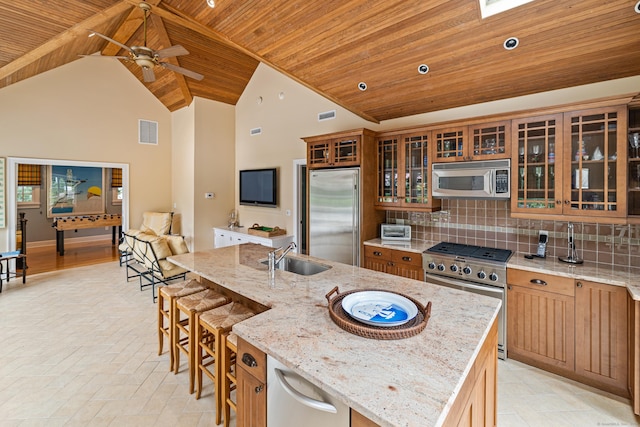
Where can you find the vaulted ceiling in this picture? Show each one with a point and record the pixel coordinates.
(331, 46)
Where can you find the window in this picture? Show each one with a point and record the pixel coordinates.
(493, 7)
(28, 196)
(116, 196)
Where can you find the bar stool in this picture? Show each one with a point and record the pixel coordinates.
(172, 293)
(211, 328)
(229, 372)
(191, 305)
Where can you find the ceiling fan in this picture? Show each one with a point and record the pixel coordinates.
(148, 58)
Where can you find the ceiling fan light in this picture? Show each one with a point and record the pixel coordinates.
(211, 3)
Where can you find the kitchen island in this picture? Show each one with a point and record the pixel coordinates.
(409, 382)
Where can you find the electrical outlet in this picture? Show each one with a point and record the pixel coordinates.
(288, 212)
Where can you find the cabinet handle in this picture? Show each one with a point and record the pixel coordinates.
(579, 284)
(376, 253)
(538, 282)
(406, 258)
(509, 287)
(566, 202)
(259, 388)
(249, 360)
(390, 264)
(558, 202)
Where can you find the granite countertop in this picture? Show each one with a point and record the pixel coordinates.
(591, 271)
(407, 382)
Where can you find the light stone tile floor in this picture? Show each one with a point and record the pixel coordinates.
(79, 348)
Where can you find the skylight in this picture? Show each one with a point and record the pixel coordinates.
(493, 7)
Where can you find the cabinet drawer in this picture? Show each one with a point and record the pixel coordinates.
(541, 281)
(377, 252)
(406, 257)
(252, 360)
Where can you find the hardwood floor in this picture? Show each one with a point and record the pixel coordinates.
(43, 259)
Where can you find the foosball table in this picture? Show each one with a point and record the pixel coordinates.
(61, 224)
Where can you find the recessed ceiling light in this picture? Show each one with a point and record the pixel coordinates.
(362, 86)
(637, 7)
(511, 43)
(211, 3)
(423, 68)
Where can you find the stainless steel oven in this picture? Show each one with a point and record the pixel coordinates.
(475, 269)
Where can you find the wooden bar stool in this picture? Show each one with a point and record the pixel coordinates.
(172, 293)
(211, 327)
(191, 305)
(229, 375)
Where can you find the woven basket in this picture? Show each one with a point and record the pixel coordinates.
(345, 321)
(257, 230)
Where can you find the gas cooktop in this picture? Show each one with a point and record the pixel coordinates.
(471, 251)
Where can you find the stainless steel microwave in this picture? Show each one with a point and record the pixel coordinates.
(485, 179)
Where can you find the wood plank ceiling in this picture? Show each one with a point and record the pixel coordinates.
(332, 45)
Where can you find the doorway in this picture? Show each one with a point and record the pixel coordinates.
(86, 250)
(300, 203)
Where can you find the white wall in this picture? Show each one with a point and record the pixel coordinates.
(183, 148)
(88, 110)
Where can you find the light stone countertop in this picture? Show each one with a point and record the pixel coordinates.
(407, 382)
(591, 271)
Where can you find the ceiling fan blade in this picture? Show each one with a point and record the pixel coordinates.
(126, 58)
(181, 70)
(148, 75)
(109, 39)
(176, 50)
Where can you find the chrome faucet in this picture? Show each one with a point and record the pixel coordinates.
(273, 261)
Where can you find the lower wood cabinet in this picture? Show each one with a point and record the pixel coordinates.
(601, 334)
(540, 318)
(574, 328)
(394, 261)
(251, 387)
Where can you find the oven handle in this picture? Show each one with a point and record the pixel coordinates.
(430, 278)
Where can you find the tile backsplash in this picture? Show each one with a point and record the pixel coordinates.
(489, 223)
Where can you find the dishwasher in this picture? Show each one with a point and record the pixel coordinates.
(292, 401)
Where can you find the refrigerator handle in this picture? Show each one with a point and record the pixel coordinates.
(354, 220)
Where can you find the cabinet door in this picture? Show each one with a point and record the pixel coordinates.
(536, 165)
(406, 264)
(251, 395)
(601, 334)
(377, 259)
(490, 141)
(416, 170)
(345, 151)
(633, 145)
(449, 145)
(318, 154)
(596, 161)
(540, 327)
(387, 171)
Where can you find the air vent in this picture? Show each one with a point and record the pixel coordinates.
(327, 115)
(147, 132)
(255, 131)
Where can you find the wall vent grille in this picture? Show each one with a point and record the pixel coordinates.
(147, 132)
(327, 115)
(255, 131)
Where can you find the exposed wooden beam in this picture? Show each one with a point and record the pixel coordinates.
(178, 18)
(164, 38)
(61, 39)
(127, 29)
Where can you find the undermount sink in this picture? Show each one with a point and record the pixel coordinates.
(300, 266)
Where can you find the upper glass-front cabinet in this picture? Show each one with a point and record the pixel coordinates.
(477, 142)
(535, 173)
(633, 146)
(387, 171)
(416, 169)
(596, 147)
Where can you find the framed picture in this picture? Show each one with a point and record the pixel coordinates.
(75, 190)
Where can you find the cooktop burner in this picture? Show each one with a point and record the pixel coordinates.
(471, 251)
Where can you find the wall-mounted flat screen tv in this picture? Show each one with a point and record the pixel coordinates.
(259, 187)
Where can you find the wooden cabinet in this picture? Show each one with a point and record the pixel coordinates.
(536, 165)
(633, 146)
(359, 420)
(404, 179)
(394, 261)
(601, 335)
(483, 141)
(571, 164)
(251, 389)
(476, 404)
(540, 319)
(574, 328)
(336, 150)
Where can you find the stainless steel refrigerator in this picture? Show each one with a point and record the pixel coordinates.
(334, 214)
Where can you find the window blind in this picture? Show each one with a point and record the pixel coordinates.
(116, 178)
(29, 174)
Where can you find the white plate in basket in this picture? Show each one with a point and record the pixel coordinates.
(379, 308)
